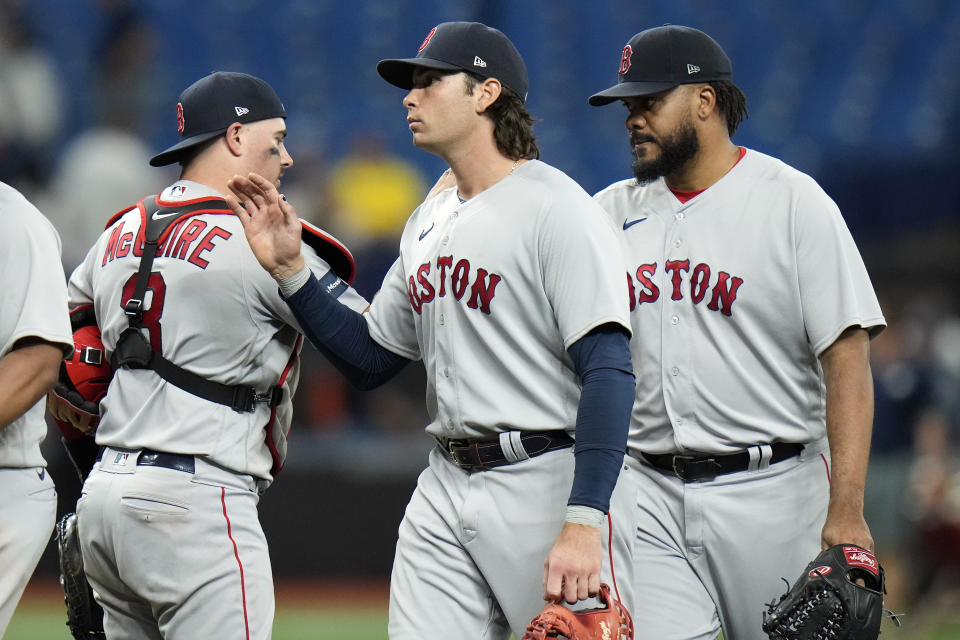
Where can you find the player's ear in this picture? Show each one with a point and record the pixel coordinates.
(234, 138)
(486, 93)
(706, 100)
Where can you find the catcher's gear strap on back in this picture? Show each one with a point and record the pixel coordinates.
(611, 622)
(827, 603)
(84, 615)
(134, 352)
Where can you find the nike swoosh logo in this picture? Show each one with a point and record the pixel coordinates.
(423, 234)
(158, 216)
(629, 223)
(41, 473)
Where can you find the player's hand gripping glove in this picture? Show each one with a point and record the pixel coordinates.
(612, 622)
(84, 615)
(826, 603)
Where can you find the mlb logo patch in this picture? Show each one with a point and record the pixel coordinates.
(121, 458)
(178, 191)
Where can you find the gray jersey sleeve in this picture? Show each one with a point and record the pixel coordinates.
(835, 289)
(34, 291)
(582, 266)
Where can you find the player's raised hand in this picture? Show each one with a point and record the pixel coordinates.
(269, 222)
(572, 569)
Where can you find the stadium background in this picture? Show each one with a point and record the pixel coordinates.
(862, 95)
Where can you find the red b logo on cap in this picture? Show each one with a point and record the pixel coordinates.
(426, 40)
(625, 60)
(179, 118)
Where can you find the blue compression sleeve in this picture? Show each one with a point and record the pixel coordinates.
(342, 335)
(602, 359)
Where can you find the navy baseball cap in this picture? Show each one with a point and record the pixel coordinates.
(463, 46)
(210, 105)
(662, 58)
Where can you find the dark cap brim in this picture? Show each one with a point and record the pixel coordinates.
(171, 155)
(629, 90)
(399, 73)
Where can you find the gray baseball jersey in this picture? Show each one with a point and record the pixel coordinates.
(733, 294)
(213, 311)
(490, 293)
(34, 304)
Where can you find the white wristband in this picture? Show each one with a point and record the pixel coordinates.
(290, 285)
(581, 514)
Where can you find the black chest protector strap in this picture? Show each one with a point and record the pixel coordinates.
(135, 352)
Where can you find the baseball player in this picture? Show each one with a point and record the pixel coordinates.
(752, 313)
(194, 425)
(509, 287)
(34, 337)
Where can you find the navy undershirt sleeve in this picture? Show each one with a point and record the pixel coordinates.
(342, 335)
(602, 360)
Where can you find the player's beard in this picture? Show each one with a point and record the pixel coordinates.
(676, 150)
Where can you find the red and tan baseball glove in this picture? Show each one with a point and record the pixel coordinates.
(612, 622)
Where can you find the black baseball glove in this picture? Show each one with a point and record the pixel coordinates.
(826, 603)
(84, 615)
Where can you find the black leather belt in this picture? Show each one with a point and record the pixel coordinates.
(478, 455)
(704, 467)
(151, 458)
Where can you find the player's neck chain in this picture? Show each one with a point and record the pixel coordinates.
(516, 164)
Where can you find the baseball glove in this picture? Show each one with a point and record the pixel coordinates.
(85, 375)
(826, 603)
(612, 622)
(84, 615)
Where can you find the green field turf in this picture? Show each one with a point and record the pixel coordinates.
(43, 619)
(34, 621)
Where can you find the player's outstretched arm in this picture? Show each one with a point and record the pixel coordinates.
(273, 232)
(849, 384)
(269, 222)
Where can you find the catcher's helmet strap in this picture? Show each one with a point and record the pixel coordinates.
(133, 351)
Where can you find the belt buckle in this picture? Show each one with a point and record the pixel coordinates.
(700, 470)
(673, 464)
(449, 444)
